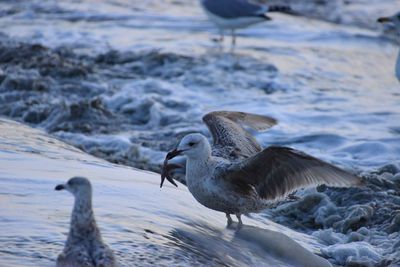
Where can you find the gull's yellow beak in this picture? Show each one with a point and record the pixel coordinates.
(384, 19)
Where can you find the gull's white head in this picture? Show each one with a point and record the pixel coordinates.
(194, 146)
(395, 19)
(78, 186)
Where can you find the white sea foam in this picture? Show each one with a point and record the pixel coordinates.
(353, 252)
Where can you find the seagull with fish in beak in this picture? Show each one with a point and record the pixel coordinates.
(236, 176)
(84, 246)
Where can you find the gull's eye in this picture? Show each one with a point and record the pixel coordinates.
(191, 143)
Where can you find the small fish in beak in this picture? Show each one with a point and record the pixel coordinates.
(167, 168)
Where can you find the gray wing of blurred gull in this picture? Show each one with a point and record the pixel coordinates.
(230, 9)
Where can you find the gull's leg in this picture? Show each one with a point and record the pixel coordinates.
(221, 35)
(238, 216)
(229, 219)
(233, 33)
(221, 40)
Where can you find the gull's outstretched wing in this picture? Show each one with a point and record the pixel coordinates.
(229, 136)
(231, 9)
(278, 171)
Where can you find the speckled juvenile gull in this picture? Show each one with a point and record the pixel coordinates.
(395, 19)
(235, 14)
(84, 246)
(236, 176)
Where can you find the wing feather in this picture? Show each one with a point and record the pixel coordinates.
(231, 9)
(229, 135)
(278, 171)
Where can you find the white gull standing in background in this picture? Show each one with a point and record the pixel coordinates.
(236, 176)
(84, 246)
(235, 14)
(395, 19)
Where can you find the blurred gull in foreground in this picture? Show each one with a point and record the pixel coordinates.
(236, 176)
(235, 14)
(84, 246)
(395, 19)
